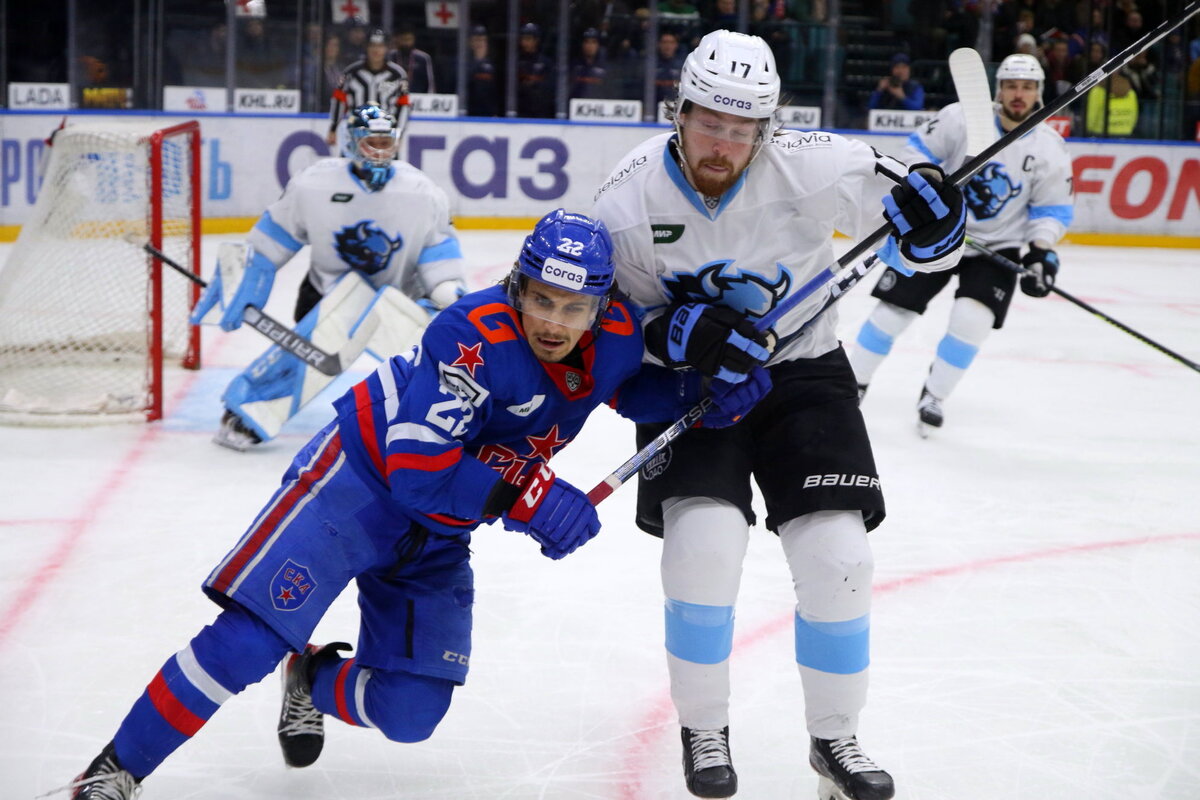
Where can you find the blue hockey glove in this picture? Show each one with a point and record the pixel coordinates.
(253, 289)
(732, 401)
(1043, 264)
(718, 342)
(558, 516)
(927, 214)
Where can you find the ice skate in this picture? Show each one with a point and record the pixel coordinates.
(105, 779)
(929, 413)
(846, 772)
(301, 725)
(235, 434)
(707, 767)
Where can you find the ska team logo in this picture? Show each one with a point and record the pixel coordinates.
(291, 586)
(989, 191)
(365, 247)
(720, 283)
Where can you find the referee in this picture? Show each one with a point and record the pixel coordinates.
(373, 79)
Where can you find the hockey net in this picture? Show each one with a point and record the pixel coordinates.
(86, 316)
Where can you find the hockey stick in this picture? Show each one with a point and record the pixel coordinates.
(840, 283)
(1013, 266)
(332, 364)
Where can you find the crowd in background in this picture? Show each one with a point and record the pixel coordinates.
(618, 49)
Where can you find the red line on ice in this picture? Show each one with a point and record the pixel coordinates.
(659, 720)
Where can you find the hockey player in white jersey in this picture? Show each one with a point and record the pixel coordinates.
(383, 253)
(713, 226)
(1021, 197)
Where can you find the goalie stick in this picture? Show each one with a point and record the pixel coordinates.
(1009, 264)
(328, 363)
(840, 283)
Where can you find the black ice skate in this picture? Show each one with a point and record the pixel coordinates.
(235, 434)
(707, 767)
(301, 725)
(105, 779)
(846, 772)
(929, 413)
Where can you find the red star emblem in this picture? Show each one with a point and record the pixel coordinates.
(543, 447)
(469, 357)
(286, 596)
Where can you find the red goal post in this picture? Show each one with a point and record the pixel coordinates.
(86, 317)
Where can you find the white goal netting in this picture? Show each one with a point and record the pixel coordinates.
(84, 320)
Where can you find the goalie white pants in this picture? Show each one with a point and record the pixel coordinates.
(277, 385)
(704, 544)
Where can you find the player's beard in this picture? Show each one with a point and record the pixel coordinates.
(710, 186)
(1018, 118)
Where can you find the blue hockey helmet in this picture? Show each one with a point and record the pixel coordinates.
(566, 252)
(372, 142)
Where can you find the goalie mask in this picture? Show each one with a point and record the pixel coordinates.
(372, 142)
(565, 253)
(733, 73)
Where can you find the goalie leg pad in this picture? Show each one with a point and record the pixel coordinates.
(401, 323)
(276, 385)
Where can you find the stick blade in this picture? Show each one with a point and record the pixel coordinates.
(971, 85)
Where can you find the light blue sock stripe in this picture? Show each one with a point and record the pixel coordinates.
(700, 634)
(841, 648)
(956, 352)
(874, 339)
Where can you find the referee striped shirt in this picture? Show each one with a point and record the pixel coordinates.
(359, 85)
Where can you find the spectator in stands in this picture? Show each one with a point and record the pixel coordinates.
(724, 16)
(1057, 67)
(1143, 75)
(670, 62)
(483, 86)
(1028, 45)
(898, 90)
(1089, 29)
(1129, 31)
(535, 75)
(589, 73)
(1112, 112)
(416, 62)
(354, 41)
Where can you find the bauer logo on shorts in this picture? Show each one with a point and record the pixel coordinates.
(291, 586)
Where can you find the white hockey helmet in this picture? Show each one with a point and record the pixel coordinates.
(1020, 67)
(731, 72)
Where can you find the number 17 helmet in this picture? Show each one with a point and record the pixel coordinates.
(566, 252)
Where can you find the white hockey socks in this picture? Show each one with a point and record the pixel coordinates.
(876, 337)
(832, 566)
(704, 544)
(970, 323)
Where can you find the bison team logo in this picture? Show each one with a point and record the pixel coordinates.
(720, 282)
(989, 191)
(291, 586)
(365, 247)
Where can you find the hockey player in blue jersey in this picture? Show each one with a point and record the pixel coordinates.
(383, 257)
(454, 434)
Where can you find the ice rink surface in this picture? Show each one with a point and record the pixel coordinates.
(1036, 628)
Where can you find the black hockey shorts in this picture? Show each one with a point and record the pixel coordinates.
(306, 299)
(805, 444)
(978, 278)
